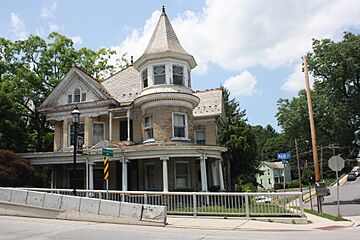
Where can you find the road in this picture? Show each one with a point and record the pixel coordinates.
(21, 228)
(349, 200)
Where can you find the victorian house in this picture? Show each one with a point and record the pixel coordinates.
(164, 135)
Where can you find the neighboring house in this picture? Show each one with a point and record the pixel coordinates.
(272, 172)
(163, 134)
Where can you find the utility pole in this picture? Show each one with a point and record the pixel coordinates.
(321, 163)
(312, 127)
(298, 164)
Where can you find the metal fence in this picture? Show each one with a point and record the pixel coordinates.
(204, 203)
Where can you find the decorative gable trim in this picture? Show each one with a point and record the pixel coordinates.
(61, 88)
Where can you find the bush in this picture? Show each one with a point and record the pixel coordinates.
(14, 171)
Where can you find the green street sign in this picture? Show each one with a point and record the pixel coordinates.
(107, 152)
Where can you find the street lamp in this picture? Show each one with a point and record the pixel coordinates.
(76, 119)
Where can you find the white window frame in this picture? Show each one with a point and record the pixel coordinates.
(196, 136)
(153, 73)
(146, 165)
(147, 78)
(183, 75)
(103, 137)
(146, 128)
(186, 126)
(72, 93)
(69, 133)
(188, 175)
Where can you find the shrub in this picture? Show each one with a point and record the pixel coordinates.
(14, 171)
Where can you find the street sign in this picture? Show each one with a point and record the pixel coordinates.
(283, 156)
(107, 153)
(80, 143)
(336, 163)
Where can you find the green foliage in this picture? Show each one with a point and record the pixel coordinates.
(30, 69)
(236, 135)
(14, 171)
(262, 135)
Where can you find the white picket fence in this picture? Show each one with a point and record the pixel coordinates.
(204, 203)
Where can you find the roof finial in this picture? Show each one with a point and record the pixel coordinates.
(163, 9)
(132, 60)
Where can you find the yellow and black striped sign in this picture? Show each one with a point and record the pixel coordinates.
(106, 168)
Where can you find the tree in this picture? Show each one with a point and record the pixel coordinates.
(262, 135)
(14, 171)
(237, 136)
(30, 69)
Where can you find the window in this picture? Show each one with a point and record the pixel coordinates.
(81, 133)
(178, 75)
(200, 137)
(77, 95)
(83, 97)
(159, 75)
(182, 175)
(189, 78)
(98, 132)
(148, 129)
(69, 98)
(149, 176)
(144, 78)
(179, 125)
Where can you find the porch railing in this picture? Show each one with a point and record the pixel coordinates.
(204, 203)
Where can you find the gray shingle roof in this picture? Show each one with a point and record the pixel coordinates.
(164, 38)
(210, 102)
(124, 86)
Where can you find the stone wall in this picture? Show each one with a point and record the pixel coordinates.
(162, 121)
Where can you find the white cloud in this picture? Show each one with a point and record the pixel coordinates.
(296, 80)
(17, 26)
(242, 84)
(237, 34)
(55, 28)
(76, 39)
(48, 12)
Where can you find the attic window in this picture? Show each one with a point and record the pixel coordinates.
(77, 95)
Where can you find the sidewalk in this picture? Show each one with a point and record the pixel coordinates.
(233, 223)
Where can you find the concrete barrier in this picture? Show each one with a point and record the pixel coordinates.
(110, 208)
(35, 199)
(17, 202)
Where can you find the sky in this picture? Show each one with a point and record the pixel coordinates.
(252, 47)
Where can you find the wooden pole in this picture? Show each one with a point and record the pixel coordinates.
(312, 125)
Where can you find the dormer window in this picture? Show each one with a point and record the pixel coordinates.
(178, 75)
(144, 78)
(159, 75)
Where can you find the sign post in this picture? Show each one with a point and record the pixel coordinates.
(336, 163)
(284, 157)
(106, 153)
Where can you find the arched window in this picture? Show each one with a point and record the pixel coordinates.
(77, 95)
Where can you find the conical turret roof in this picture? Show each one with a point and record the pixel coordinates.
(164, 43)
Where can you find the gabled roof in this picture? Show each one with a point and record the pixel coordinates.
(124, 86)
(164, 43)
(211, 102)
(90, 82)
(274, 165)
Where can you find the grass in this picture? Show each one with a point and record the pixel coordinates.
(325, 215)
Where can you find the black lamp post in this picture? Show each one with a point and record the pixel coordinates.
(76, 119)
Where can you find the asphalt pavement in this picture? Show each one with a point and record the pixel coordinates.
(349, 195)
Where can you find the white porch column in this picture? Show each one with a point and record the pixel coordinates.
(53, 178)
(215, 173)
(165, 173)
(110, 125)
(91, 175)
(221, 176)
(204, 185)
(128, 124)
(124, 174)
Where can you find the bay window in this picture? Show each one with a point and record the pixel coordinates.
(159, 75)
